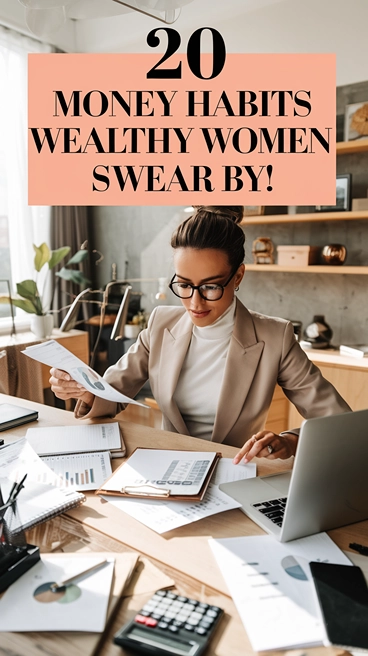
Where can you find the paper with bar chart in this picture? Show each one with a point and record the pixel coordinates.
(82, 471)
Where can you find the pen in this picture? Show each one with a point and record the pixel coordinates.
(61, 584)
(360, 548)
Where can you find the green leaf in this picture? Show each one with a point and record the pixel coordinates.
(58, 255)
(28, 289)
(74, 276)
(42, 255)
(79, 256)
(25, 305)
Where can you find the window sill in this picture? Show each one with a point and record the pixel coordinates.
(21, 325)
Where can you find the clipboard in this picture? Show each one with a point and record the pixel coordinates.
(183, 469)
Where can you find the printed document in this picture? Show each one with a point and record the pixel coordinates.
(272, 587)
(54, 354)
(81, 471)
(48, 441)
(162, 516)
(29, 605)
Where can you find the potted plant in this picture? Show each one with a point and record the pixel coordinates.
(28, 296)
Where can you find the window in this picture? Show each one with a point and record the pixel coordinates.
(20, 225)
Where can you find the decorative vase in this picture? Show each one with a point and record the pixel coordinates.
(318, 333)
(42, 325)
(334, 254)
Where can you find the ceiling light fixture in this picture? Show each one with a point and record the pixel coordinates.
(45, 17)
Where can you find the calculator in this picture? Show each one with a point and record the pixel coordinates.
(171, 624)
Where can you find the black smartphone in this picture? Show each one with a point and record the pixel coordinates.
(343, 597)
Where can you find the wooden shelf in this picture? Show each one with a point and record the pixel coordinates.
(355, 270)
(300, 218)
(346, 147)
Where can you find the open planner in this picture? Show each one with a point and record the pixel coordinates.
(157, 474)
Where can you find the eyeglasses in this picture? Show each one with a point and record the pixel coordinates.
(208, 291)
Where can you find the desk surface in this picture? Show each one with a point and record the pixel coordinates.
(184, 551)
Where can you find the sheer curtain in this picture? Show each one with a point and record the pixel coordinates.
(26, 224)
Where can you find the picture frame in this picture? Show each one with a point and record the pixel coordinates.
(343, 195)
(253, 210)
(356, 121)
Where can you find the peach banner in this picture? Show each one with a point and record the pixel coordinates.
(263, 132)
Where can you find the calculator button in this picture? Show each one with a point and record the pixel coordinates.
(178, 623)
(165, 602)
(182, 617)
(145, 613)
(198, 609)
(151, 622)
(196, 616)
(170, 615)
(160, 593)
(183, 599)
(202, 605)
(215, 608)
(208, 619)
(177, 604)
(206, 625)
(162, 625)
(211, 613)
(192, 621)
(171, 595)
(201, 630)
(189, 627)
(156, 597)
(173, 629)
(189, 607)
(193, 602)
(140, 619)
(157, 616)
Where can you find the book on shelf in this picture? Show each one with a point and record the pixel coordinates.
(355, 350)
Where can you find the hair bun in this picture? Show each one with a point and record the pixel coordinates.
(233, 212)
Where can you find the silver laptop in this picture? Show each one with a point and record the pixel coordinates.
(327, 488)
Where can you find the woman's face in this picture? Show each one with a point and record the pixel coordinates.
(200, 266)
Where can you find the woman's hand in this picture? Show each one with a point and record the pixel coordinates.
(65, 387)
(267, 445)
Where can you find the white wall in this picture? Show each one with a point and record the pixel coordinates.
(339, 26)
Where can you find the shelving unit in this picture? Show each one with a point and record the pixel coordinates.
(313, 268)
(300, 218)
(347, 147)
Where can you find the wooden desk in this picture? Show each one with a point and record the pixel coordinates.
(184, 553)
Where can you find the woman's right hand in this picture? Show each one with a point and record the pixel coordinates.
(65, 387)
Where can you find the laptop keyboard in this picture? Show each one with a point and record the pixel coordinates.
(273, 509)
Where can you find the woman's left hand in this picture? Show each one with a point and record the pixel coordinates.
(267, 445)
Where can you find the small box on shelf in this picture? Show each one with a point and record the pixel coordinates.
(293, 255)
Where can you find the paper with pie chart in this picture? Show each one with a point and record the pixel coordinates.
(272, 587)
(30, 605)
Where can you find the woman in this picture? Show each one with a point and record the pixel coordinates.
(213, 364)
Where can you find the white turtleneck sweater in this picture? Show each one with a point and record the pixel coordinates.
(198, 389)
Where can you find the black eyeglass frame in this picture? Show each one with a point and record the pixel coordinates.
(198, 288)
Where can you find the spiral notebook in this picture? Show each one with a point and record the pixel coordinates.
(38, 502)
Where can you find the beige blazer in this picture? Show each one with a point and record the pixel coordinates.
(262, 352)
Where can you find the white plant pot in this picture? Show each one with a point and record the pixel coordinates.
(42, 326)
